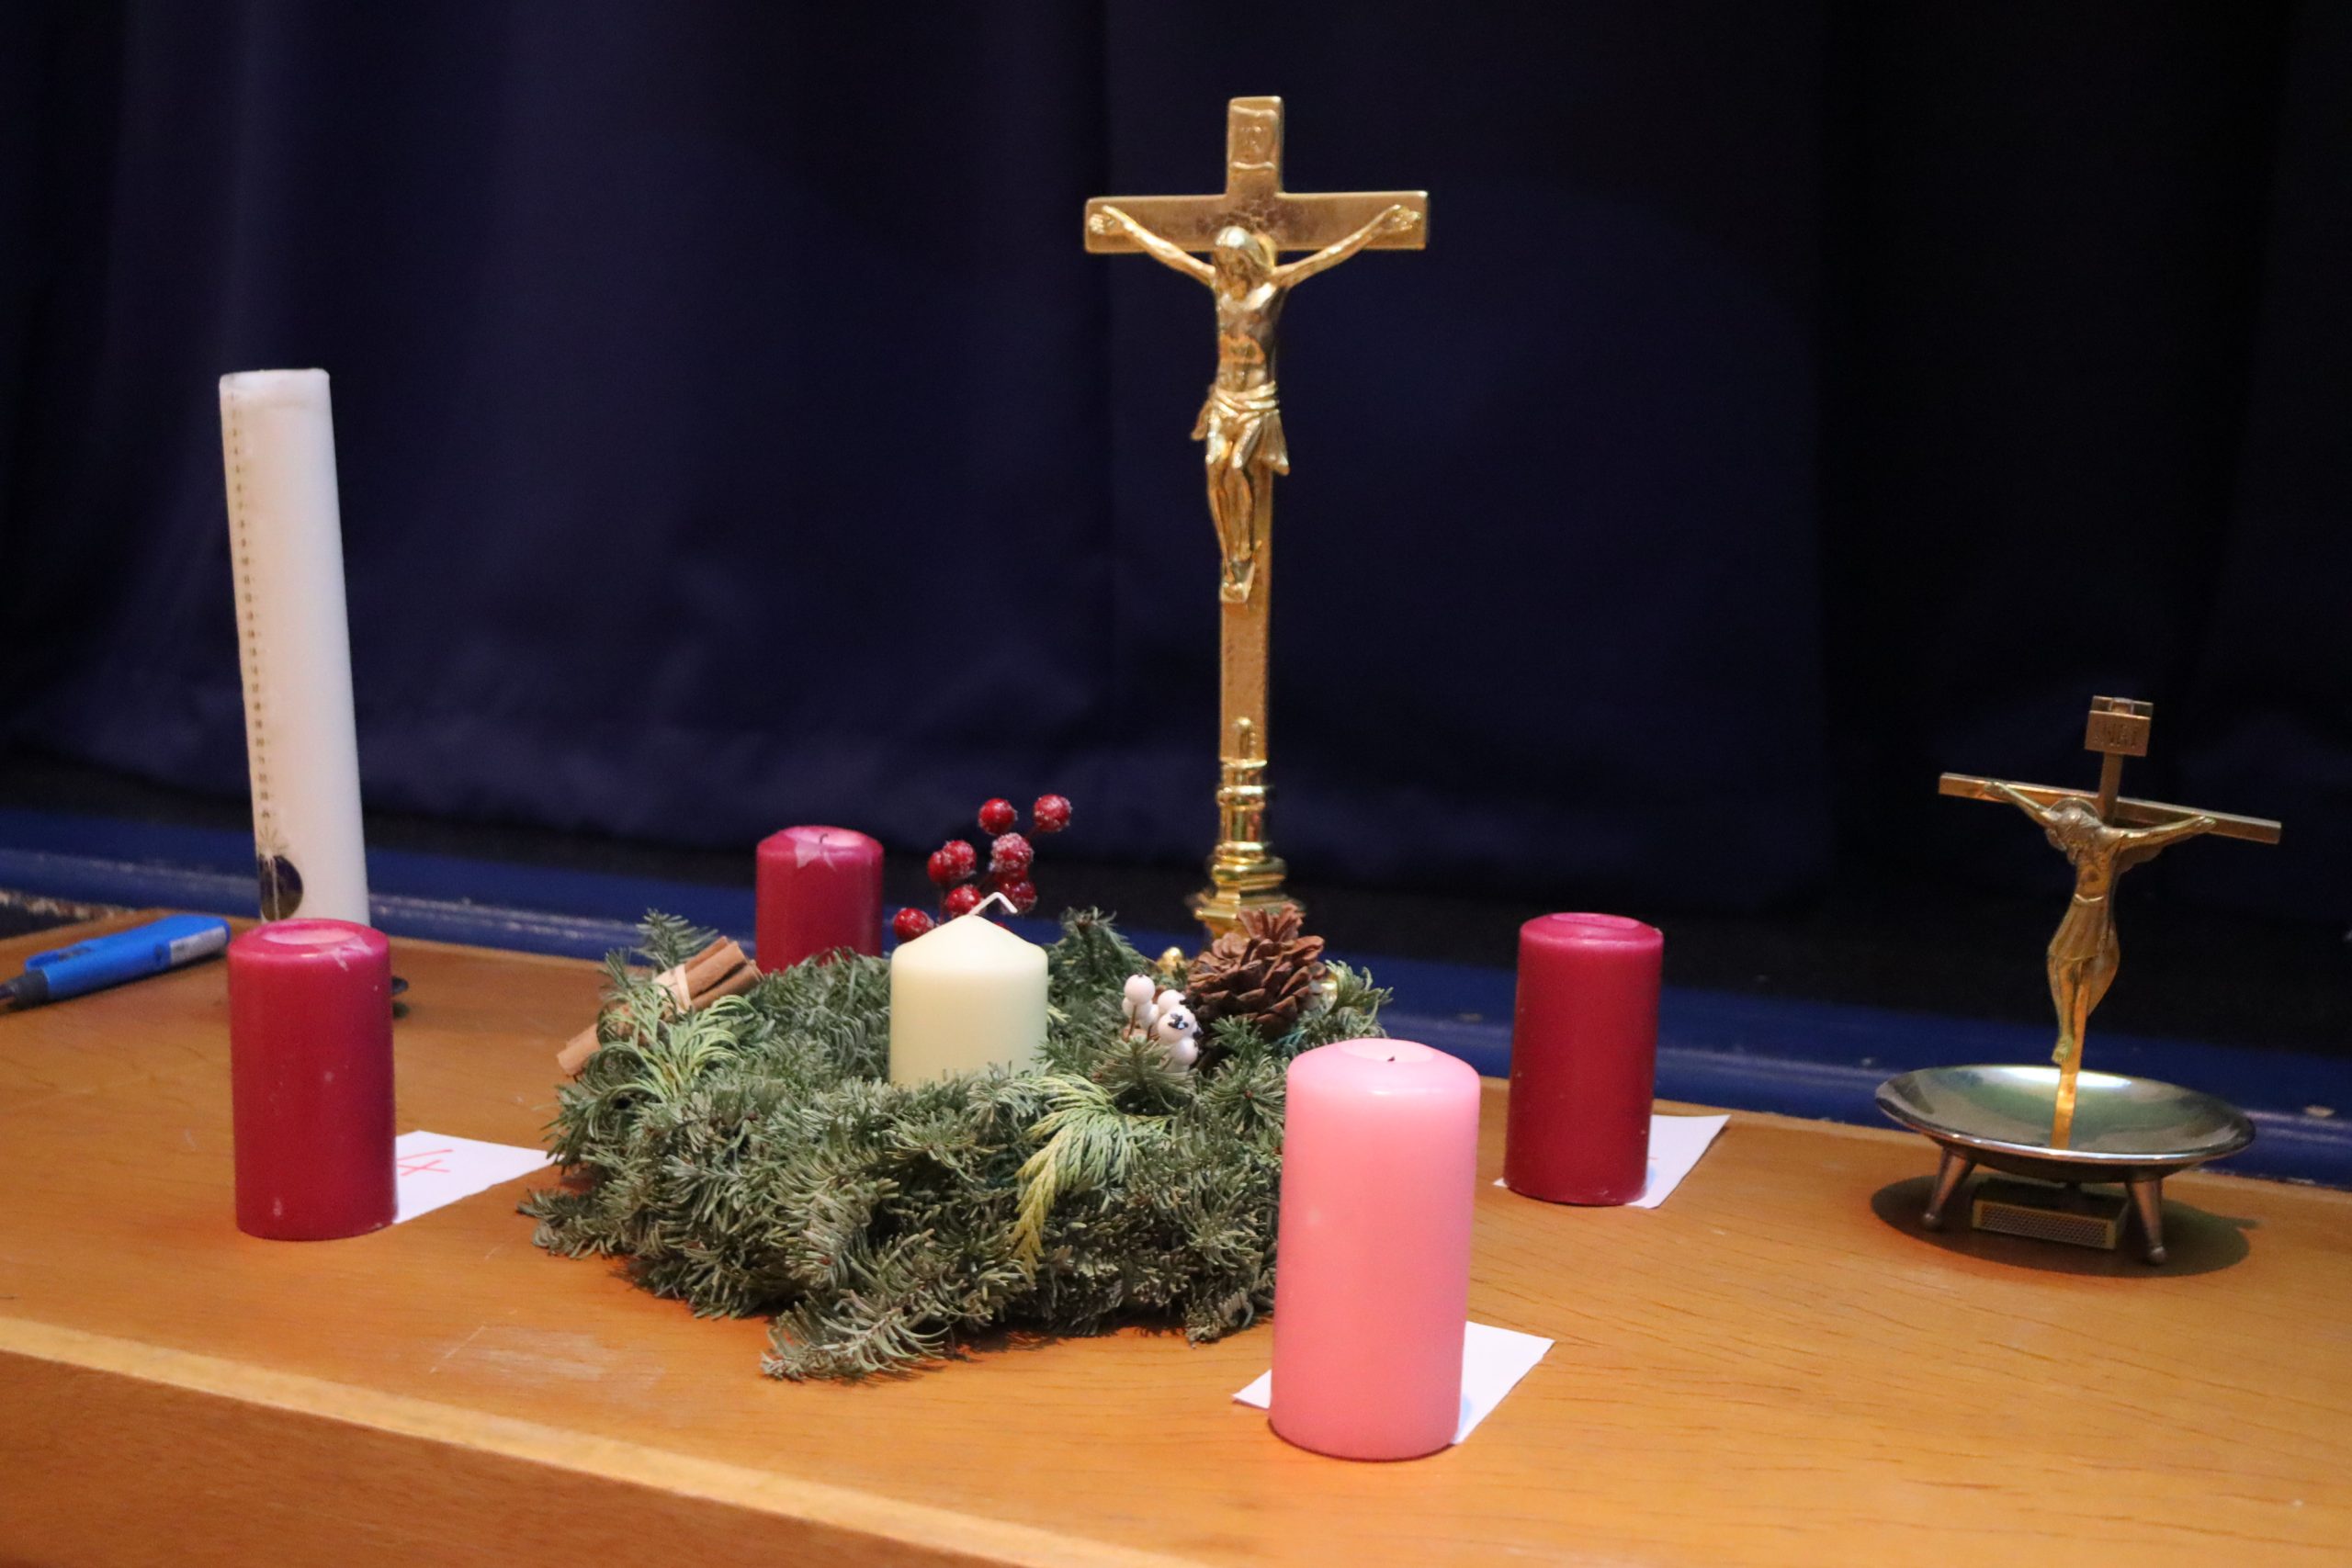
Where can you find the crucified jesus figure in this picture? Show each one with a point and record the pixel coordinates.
(2084, 955)
(1241, 422)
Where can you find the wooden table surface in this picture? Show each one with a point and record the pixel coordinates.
(1776, 1367)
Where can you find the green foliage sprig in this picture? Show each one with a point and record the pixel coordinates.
(752, 1158)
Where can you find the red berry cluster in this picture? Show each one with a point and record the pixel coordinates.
(955, 864)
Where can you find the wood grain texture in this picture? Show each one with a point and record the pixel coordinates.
(1774, 1368)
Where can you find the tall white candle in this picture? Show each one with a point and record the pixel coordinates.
(294, 643)
(965, 995)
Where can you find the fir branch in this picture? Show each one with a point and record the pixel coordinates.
(1088, 1143)
(1352, 1012)
(667, 941)
(1091, 956)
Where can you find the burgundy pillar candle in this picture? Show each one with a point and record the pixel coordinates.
(1372, 1292)
(311, 1080)
(819, 888)
(1583, 1058)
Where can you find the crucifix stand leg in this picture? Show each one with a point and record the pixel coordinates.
(1950, 1174)
(2148, 1203)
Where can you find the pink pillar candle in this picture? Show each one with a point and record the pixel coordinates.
(311, 1080)
(1583, 1058)
(820, 888)
(1371, 1289)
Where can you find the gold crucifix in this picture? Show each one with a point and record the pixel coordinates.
(2104, 834)
(1243, 230)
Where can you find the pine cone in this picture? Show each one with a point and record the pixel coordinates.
(1266, 973)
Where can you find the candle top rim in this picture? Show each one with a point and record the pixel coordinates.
(298, 384)
(1382, 1066)
(1588, 928)
(979, 941)
(819, 836)
(300, 939)
(1401, 1051)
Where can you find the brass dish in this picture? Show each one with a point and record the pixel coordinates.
(2133, 1131)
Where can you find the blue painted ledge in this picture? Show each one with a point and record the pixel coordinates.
(1800, 1058)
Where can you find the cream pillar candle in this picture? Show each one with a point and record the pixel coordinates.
(294, 644)
(965, 995)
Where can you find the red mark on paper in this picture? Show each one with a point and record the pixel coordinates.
(423, 1161)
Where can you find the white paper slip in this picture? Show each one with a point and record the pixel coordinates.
(1676, 1143)
(1493, 1360)
(435, 1169)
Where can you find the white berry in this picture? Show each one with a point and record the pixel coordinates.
(1136, 1002)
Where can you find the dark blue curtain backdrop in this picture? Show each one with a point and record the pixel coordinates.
(1794, 400)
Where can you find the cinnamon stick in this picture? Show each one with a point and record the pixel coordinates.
(722, 969)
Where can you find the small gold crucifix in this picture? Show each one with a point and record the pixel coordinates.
(1244, 229)
(2104, 834)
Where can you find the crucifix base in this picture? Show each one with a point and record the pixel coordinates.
(2133, 1131)
(1220, 906)
(1244, 873)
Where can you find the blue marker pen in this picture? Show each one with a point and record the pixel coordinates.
(118, 957)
